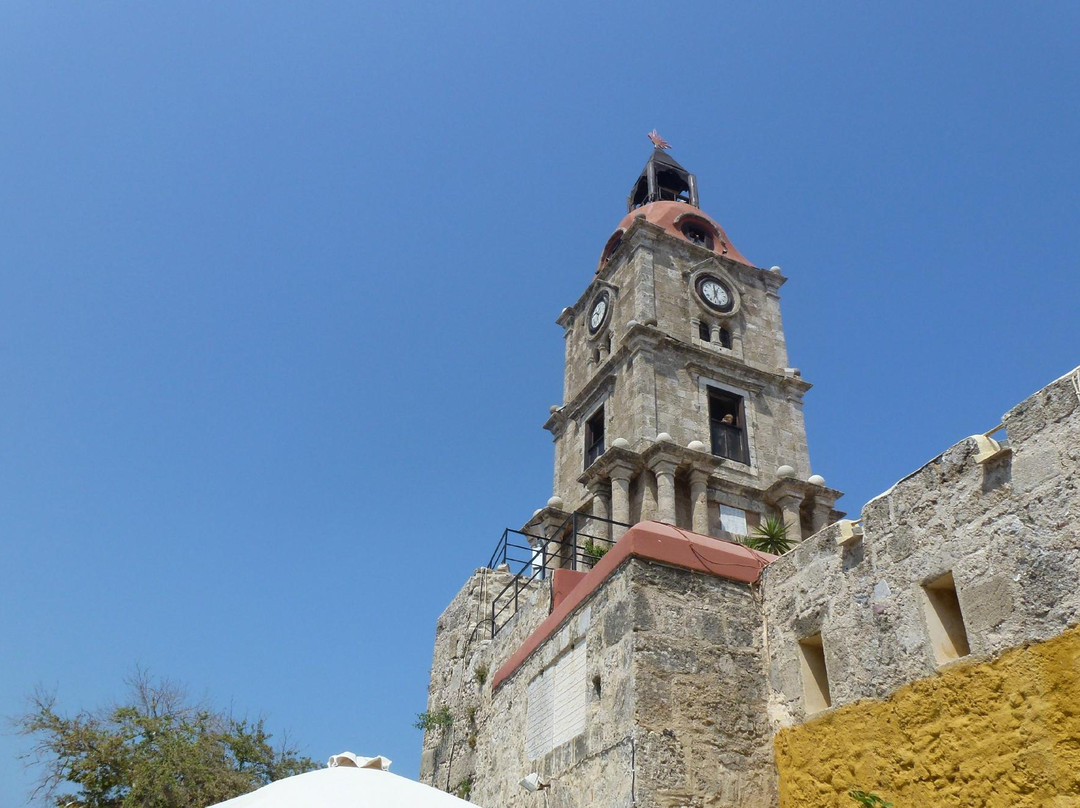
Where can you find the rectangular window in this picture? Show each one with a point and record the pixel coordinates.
(704, 332)
(944, 620)
(815, 677)
(727, 426)
(594, 437)
(733, 520)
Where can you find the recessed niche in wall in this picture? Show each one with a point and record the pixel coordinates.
(815, 677)
(944, 620)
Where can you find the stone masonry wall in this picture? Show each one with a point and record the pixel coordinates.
(1008, 531)
(662, 387)
(675, 700)
(703, 735)
(463, 662)
(994, 734)
(592, 768)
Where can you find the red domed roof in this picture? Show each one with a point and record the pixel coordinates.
(674, 217)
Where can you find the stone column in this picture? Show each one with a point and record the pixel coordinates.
(648, 496)
(821, 513)
(601, 508)
(551, 525)
(699, 500)
(789, 508)
(665, 490)
(620, 499)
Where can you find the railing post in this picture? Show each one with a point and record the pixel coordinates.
(573, 541)
(493, 619)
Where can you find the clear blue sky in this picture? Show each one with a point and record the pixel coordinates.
(279, 287)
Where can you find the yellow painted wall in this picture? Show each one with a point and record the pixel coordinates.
(999, 733)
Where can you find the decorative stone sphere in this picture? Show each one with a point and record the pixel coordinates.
(696, 446)
(555, 502)
(630, 324)
(620, 443)
(564, 312)
(663, 436)
(774, 269)
(785, 471)
(816, 479)
(536, 512)
(554, 408)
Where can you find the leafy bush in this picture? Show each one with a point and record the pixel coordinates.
(436, 719)
(464, 788)
(595, 551)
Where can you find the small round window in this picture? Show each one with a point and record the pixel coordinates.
(698, 233)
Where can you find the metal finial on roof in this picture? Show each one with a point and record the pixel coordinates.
(658, 141)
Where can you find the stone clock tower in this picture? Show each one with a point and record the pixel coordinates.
(675, 669)
(632, 672)
(678, 401)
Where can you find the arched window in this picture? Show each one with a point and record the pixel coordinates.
(698, 232)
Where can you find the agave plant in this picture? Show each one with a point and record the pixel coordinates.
(770, 536)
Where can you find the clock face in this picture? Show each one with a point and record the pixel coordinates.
(715, 294)
(598, 313)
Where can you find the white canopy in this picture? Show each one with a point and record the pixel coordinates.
(347, 785)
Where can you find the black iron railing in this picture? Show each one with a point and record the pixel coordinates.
(578, 543)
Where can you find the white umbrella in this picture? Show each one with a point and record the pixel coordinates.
(349, 782)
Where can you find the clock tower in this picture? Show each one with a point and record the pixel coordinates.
(679, 404)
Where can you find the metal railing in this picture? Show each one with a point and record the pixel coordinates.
(578, 543)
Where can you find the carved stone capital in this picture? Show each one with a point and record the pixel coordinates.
(615, 463)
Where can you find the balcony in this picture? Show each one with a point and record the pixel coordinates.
(576, 544)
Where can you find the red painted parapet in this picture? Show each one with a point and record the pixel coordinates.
(563, 582)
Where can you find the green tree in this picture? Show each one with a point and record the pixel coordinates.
(156, 750)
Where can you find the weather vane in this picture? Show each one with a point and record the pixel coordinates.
(658, 141)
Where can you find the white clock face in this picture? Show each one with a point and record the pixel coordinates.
(716, 295)
(599, 311)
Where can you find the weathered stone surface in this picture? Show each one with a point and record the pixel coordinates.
(674, 679)
(651, 371)
(1013, 548)
(688, 676)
